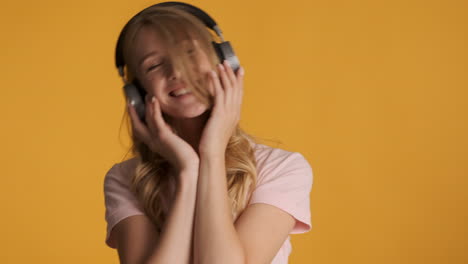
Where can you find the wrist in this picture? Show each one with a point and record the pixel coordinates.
(213, 154)
(187, 179)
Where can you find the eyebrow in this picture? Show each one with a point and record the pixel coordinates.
(146, 56)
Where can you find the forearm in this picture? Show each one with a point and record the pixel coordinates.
(175, 243)
(215, 237)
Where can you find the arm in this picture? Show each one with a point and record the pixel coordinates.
(250, 239)
(175, 241)
(136, 237)
(215, 237)
(174, 245)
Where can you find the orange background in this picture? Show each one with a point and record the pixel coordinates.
(372, 93)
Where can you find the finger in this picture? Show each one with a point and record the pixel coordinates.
(240, 82)
(150, 122)
(240, 74)
(230, 73)
(138, 127)
(158, 118)
(210, 85)
(219, 93)
(234, 85)
(226, 84)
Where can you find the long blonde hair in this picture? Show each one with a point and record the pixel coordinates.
(150, 181)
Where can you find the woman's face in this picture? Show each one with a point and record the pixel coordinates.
(157, 76)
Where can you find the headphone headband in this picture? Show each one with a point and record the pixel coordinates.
(197, 12)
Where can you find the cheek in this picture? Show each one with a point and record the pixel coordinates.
(153, 85)
(204, 61)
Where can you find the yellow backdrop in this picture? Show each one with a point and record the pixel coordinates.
(373, 93)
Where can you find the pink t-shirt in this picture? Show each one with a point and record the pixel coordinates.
(284, 180)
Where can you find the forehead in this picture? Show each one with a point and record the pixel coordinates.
(150, 43)
(147, 39)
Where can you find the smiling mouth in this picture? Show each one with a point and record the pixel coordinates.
(179, 92)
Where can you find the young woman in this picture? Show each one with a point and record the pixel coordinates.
(198, 189)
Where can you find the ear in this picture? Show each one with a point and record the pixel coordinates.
(128, 77)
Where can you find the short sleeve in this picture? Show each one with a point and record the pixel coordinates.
(285, 181)
(120, 202)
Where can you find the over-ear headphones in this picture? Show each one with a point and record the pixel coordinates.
(133, 91)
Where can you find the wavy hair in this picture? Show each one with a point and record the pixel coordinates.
(150, 181)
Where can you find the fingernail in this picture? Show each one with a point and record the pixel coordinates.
(130, 103)
(213, 73)
(221, 67)
(241, 71)
(153, 99)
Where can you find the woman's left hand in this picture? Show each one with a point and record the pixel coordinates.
(225, 115)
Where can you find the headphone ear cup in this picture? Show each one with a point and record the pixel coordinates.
(226, 52)
(135, 93)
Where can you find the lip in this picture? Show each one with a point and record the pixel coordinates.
(177, 87)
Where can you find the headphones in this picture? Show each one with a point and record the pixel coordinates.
(133, 91)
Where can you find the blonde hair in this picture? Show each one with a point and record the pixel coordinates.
(150, 181)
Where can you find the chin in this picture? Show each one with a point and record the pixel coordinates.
(187, 112)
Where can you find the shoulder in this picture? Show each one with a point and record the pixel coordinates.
(276, 162)
(284, 180)
(120, 201)
(265, 153)
(121, 171)
(117, 181)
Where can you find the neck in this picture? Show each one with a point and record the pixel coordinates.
(190, 129)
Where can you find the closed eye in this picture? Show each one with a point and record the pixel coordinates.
(152, 67)
(190, 52)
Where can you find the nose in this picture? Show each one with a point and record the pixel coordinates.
(174, 73)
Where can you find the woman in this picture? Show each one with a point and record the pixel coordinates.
(198, 189)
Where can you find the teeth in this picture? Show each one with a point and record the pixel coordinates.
(180, 92)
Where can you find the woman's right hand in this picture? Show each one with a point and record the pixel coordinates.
(158, 136)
